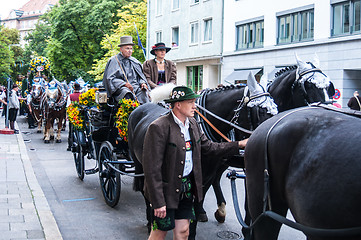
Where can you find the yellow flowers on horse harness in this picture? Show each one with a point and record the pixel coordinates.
(38, 62)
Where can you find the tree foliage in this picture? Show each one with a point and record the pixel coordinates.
(130, 14)
(9, 55)
(74, 40)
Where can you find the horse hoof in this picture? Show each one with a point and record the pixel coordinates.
(51, 137)
(46, 141)
(58, 141)
(202, 217)
(38, 131)
(219, 217)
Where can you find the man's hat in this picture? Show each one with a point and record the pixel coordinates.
(181, 93)
(126, 40)
(159, 46)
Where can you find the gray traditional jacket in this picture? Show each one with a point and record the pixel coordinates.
(164, 155)
(114, 80)
(150, 70)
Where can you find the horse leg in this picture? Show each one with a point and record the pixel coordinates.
(220, 214)
(63, 126)
(46, 133)
(58, 136)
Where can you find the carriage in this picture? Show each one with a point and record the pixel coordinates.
(96, 134)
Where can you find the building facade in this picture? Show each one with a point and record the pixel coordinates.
(25, 18)
(262, 36)
(194, 30)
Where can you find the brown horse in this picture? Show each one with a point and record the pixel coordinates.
(54, 108)
(37, 97)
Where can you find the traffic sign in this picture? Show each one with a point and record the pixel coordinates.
(337, 94)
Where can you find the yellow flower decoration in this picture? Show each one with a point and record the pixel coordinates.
(88, 98)
(74, 115)
(39, 61)
(126, 107)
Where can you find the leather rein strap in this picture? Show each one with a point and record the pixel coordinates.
(212, 126)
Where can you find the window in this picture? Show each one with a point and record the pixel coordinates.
(175, 36)
(295, 27)
(158, 36)
(175, 4)
(207, 30)
(249, 35)
(194, 32)
(159, 7)
(346, 18)
(195, 78)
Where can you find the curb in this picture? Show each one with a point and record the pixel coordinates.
(41, 205)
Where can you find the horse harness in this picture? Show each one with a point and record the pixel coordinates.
(201, 102)
(302, 83)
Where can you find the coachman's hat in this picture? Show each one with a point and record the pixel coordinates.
(181, 93)
(159, 46)
(126, 40)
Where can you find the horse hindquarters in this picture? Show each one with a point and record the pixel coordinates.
(266, 229)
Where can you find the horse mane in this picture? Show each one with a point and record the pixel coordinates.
(225, 87)
(286, 69)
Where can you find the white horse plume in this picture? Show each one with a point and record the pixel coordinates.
(160, 93)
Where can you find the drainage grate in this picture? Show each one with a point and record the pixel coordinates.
(32, 149)
(228, 235)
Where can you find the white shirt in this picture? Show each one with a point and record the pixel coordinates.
(188, 165)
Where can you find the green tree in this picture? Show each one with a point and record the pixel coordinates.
(9, 55)
(130, 14)
(74, 40)
(38, 39)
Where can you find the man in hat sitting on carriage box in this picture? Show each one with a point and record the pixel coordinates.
(123, 75)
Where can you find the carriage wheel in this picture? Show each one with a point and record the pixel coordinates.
(77, 150)
(109, 178)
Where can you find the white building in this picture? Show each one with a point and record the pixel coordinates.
(194, 29)
(25, 18)
(263, 35)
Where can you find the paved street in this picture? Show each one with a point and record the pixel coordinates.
(79, 208)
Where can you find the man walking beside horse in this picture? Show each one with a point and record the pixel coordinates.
(172, 152)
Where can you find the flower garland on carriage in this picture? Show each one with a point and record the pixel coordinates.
(75, 109)
(87, 99)
(126, 107)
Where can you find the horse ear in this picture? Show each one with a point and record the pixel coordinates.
(252, 83)
(316, 61)
(301, 65)
(264, 80)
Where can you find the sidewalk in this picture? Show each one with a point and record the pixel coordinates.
(24, 210)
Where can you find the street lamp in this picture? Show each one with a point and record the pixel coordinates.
(6, 130)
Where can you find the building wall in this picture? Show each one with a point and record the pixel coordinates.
(205, 53)
(339, 56)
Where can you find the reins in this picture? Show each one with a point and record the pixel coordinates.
(319, 232)
(243, 102)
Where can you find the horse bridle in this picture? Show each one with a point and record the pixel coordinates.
(302, 83)
(233, 123)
